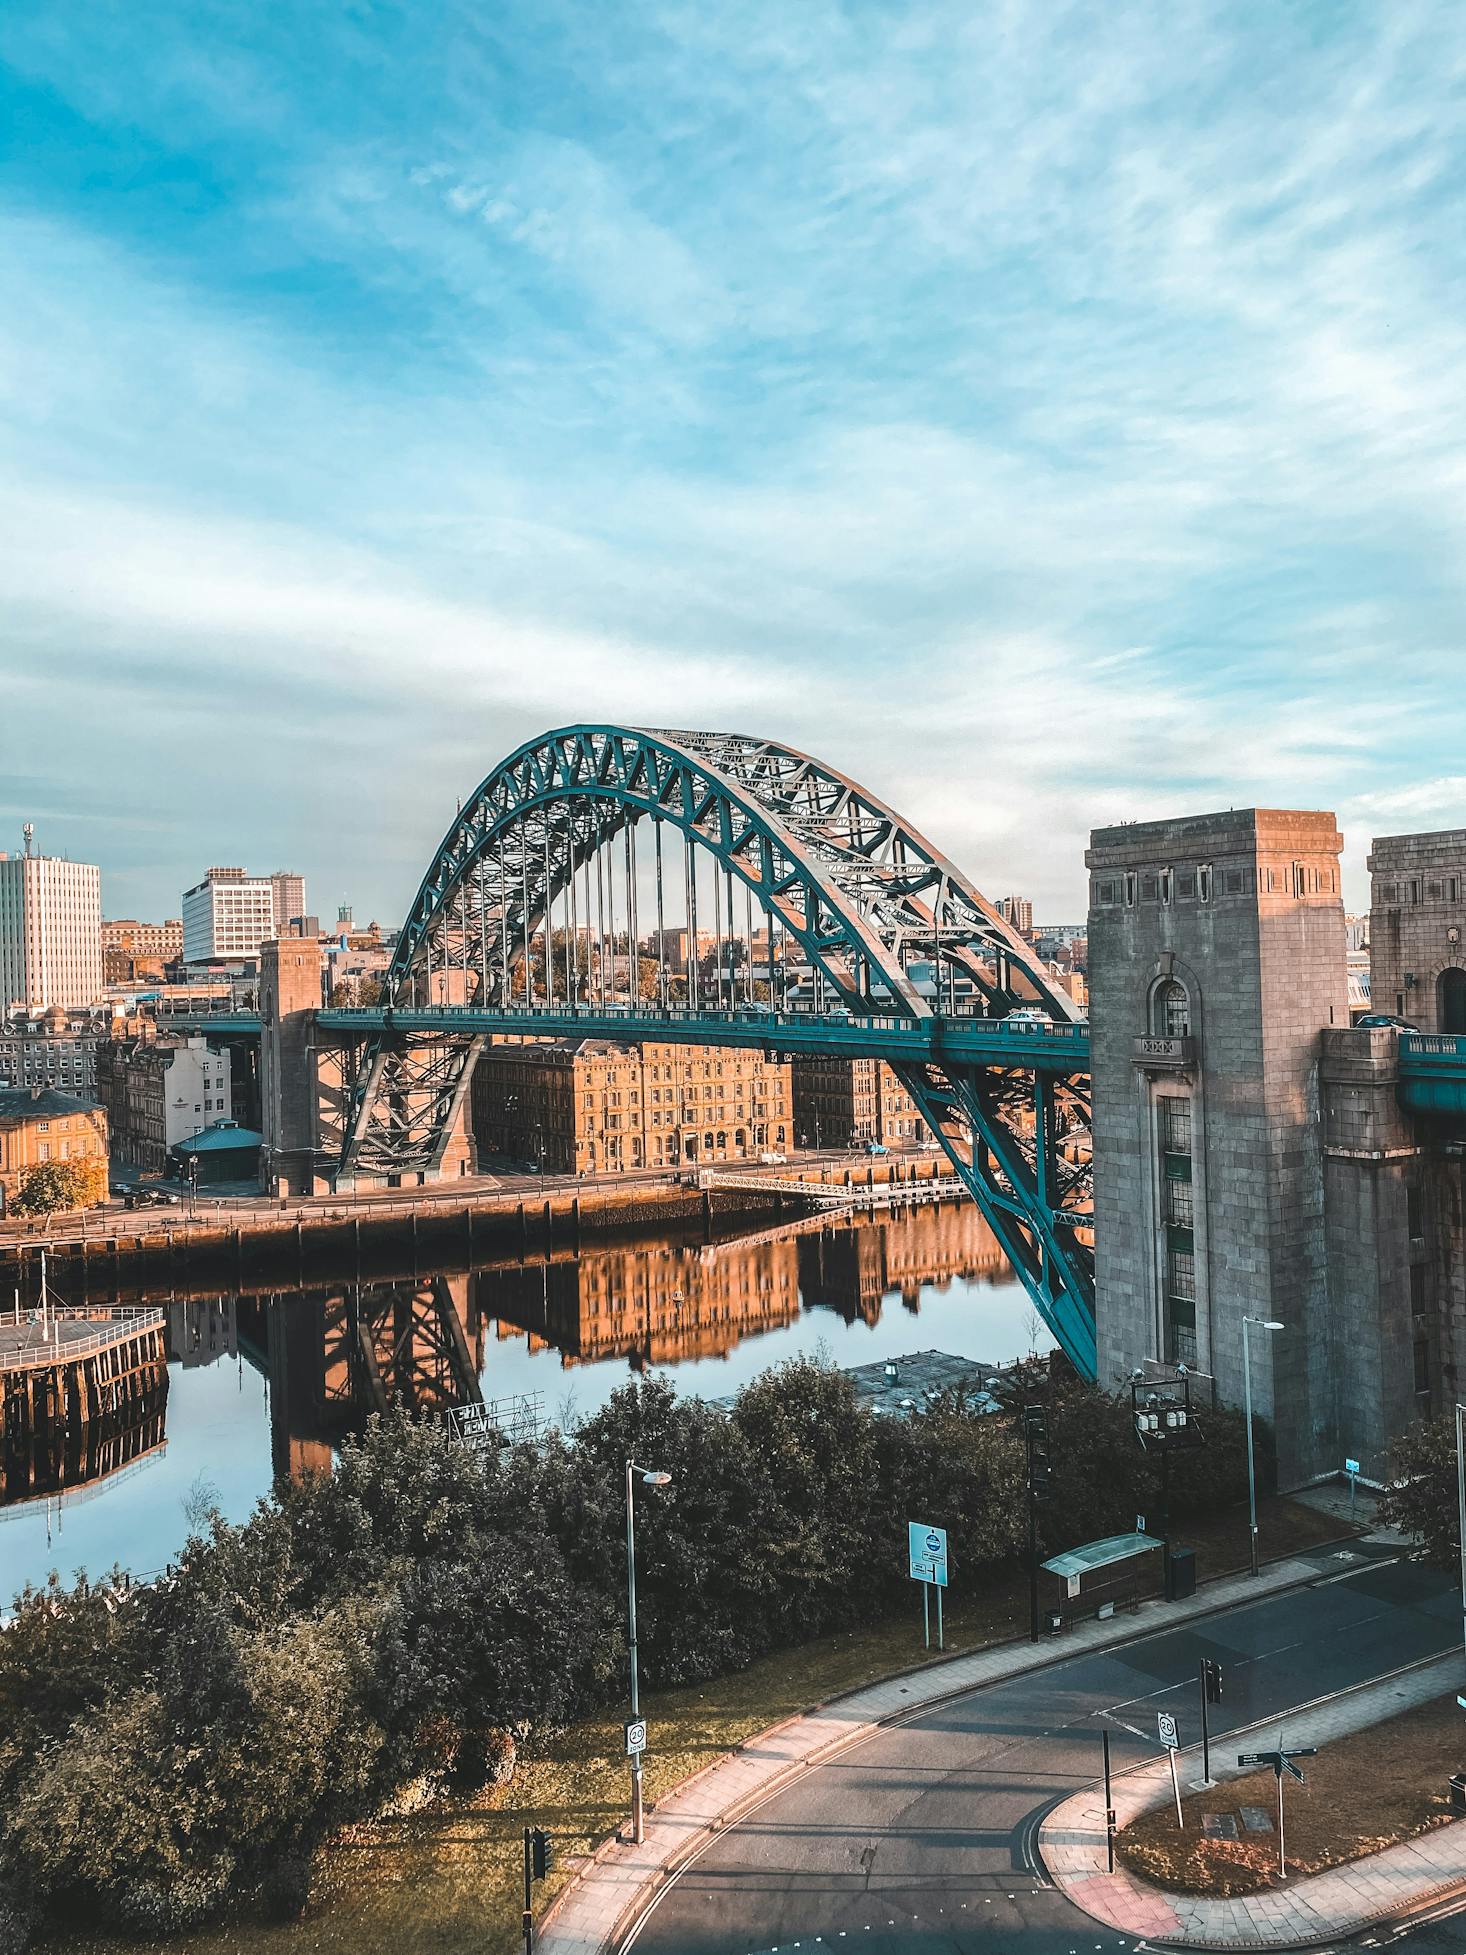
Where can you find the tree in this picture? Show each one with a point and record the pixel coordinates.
(1421, 1499)
(48, 1187)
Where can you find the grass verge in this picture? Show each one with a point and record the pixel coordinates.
(447, 1880)
(1363, 1793)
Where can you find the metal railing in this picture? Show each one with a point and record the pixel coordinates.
(123, 1321)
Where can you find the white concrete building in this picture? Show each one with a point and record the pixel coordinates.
(196, 1091)
(229, 914)
(50, 931)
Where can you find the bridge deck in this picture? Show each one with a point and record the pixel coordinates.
(1033, 1044)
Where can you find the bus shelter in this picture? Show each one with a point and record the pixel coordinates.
(1100, 1577)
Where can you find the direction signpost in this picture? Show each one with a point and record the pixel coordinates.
(1170, 1737)
(1280, 1762)
(927, 1554)
(1351, 1467)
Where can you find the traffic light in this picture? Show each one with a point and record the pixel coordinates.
(1211, 1679)
(542, 1848)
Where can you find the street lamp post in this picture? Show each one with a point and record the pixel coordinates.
(648, 1479)
(1461, 1503)
(1268, 1324)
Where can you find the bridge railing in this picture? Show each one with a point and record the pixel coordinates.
(1074, 1032)
(1433, 1045)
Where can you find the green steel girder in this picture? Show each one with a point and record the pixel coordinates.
(860, 892)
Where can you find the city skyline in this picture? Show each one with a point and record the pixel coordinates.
(955, 394)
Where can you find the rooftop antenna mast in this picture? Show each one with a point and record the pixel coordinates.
(30, 836)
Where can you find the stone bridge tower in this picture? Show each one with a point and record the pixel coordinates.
(1216, 956)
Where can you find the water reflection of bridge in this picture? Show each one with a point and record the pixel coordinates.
(333, 1356)
(336, 1353)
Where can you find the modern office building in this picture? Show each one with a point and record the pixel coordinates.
(50, 931)
(1018, 911)
(226, 916)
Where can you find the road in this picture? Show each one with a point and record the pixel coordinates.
(114, 1218)
(921, 1838)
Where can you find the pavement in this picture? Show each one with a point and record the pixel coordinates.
(1311, 1909)
(906, 1815)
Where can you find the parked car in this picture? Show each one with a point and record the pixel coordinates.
(771, 1158)
(875, 1147)
(150, 1198)
(1383, 1021)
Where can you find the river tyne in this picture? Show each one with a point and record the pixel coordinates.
(261, 1383)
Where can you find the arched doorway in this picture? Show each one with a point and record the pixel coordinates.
(1450, 1001)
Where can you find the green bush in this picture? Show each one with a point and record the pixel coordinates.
(429, 1607)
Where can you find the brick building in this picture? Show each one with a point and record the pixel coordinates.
(850, 1102)
(133, 952)
(582, 1106)
(36, 1125)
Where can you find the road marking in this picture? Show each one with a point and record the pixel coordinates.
(1244, 1662)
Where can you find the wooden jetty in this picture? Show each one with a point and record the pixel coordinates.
(82, 1394)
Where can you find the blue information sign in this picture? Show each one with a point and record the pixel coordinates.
(927, 1547)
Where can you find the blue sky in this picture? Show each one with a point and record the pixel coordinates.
(1048, 414)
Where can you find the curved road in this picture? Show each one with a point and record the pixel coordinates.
(921, 1837)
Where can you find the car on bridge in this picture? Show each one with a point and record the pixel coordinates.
(1383, 1021)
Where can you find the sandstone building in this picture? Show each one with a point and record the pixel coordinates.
(582, 1106)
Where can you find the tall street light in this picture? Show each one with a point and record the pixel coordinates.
(1269, 1324)
(648, 1479)
(1461, 1502)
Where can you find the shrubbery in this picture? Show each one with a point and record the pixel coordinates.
(426, 1608)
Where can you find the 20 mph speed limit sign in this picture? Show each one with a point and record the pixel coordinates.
(1166, 1725)
(636, 1737)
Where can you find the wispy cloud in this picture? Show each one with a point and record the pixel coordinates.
(1054, 415)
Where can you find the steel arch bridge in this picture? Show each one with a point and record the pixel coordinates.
(902, 959)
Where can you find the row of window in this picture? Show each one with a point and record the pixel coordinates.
(1200, 884)
(1419, 889)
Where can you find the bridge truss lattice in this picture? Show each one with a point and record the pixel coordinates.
(594, 840)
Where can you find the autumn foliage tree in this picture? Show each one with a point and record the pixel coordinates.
(50, 1187)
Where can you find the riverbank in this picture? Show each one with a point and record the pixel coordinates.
(116, 1253)
(445, 1878)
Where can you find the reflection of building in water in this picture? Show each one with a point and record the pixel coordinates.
(851, 1270)
(653, 1305)
(202, 1329)
(336, 1356)
(81, 1397)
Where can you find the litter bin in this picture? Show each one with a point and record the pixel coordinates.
(1183, 1573)
(1458, 1792)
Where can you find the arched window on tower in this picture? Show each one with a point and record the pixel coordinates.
(1171, 1010)
(1451, 1001)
